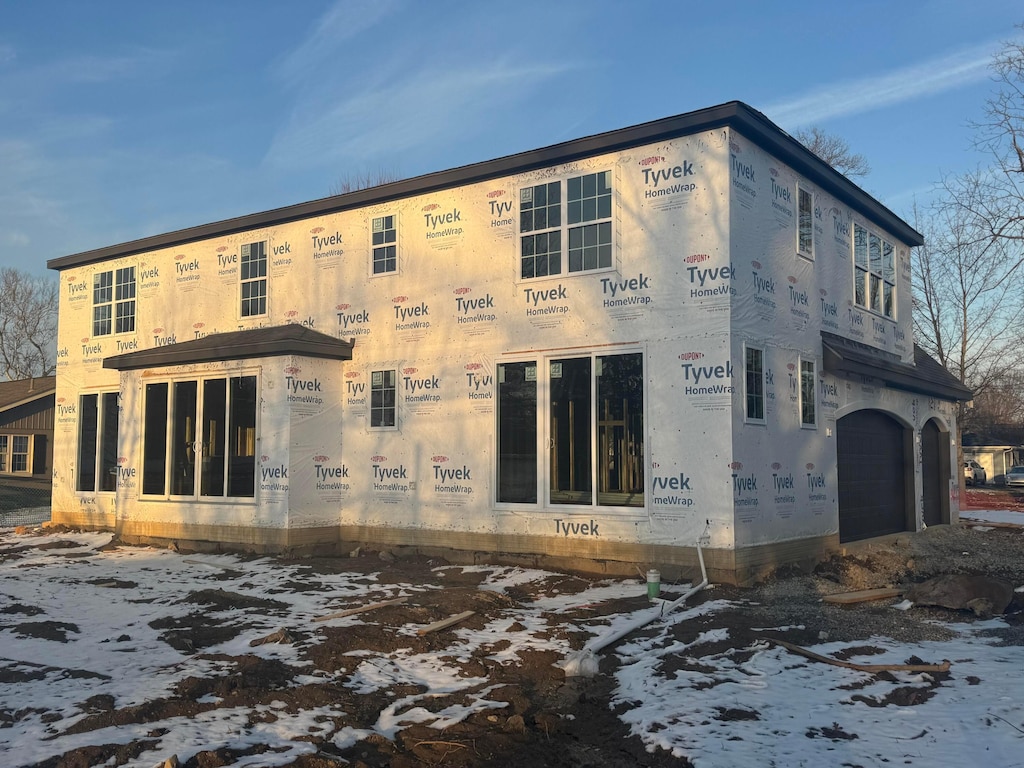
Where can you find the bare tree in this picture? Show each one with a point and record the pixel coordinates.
(363, 180)
(28, 324)
(835, 151)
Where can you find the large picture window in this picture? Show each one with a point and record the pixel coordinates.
(592, 407)
(113, 302)
(570, 231)
(874, 272)
(199, 438)
(97, 442)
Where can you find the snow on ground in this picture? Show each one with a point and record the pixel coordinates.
(759, 705)
(1000, 516)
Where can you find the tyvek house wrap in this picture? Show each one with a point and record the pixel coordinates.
(704, 263)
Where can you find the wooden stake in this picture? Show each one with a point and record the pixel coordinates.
(943, 667)
(444, 623)
(360, 609)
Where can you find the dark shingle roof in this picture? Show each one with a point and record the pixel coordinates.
(25, 390)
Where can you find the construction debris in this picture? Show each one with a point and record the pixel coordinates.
(863, 596)
(443, 623)
(872, 668)
(360, 609)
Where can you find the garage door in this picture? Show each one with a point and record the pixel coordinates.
(872, 475)
(935, 473)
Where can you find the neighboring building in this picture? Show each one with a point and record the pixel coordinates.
(996, 459)
(26, 428)
(590, 355)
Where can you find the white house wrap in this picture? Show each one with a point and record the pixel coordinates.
(586, 354)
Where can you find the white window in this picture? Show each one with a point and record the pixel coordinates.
(113, 302)
(808, 394)
(570, 232)
(805, 222)
(874, 272)
(97, 442)
(385, 244)
(254, 279)
(753, 384)
(16, 454)
(384, 399)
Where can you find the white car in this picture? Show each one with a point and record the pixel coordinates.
(1015, 476)
(974, 473)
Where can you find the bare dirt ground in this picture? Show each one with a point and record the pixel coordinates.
(549, 720)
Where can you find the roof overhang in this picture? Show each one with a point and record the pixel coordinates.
(749, 122)
(279, 340)
(924, 377)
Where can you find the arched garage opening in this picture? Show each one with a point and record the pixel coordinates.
(935, 466)
(874, 457)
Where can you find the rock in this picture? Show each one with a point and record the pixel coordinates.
(983, 595)
(515, 724)
(281, 636)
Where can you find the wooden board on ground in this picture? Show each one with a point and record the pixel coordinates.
(863, 595)
(361, 609)
(444, 623)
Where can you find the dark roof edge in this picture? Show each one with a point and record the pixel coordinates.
(751, 123)
(39, 395)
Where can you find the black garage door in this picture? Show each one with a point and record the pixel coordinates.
(872, 475)
(935, 473)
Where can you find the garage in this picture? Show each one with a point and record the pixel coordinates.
(872, 468)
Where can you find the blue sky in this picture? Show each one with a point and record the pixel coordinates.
(120, 120)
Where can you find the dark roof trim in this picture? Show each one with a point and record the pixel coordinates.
(237, 345)
(925, 377)
(751, 123)
(22, 391)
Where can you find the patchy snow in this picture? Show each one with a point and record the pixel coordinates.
(1000, 516)
(754, 705)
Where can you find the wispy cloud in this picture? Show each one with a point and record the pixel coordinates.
(853, 97)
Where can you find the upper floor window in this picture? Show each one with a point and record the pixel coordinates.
(874, 272)
(385, 245)
(113, 302)
(572, 230)
(383, 399)
(805, 223)
(254, 279)
(753, 379)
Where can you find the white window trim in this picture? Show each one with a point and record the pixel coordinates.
(398, 245)
(894, 317)
(265, 278)
(564, 227)
(800, 392)
(9, 455)
(747, 418)
(809, 255)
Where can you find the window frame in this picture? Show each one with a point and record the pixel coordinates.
(247, 281)
(384, 408)
(101, 447)
(384, 245)
(761, 395)
(886, 262)
(583, 216)
(802, 399)
(113, 301)
(8, 453)
(801, 229)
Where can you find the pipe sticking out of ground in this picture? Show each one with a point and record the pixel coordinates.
(584, 663)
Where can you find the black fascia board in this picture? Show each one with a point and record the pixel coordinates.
(746, 120)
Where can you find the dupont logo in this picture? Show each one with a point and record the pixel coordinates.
(180, 256)
(430, 207)
(378, 459)
(352, 375)
(439, 459)
(409, 371)
(655, 465)
(122, 459)
(342, 307)
(222, 249)
(495, 193)
(734, 147)
(61, 399)
(321, 458)
(291, 313)
(316, 230)
(653, 160)
(776, 466)
(85, 339)
(691, 356)
(291, 370)
(197, 326)
(399, 299)
(755, 264)
(473, 366)
(264, 459)
(736, 465)
(823, 292)
(792, 280)
(697, 258)
(774, 172)
(72, 278)
(157, 331)
(790, 367)
(809, 465)
(462, 291)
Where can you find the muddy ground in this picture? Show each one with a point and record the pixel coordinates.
(549, 720)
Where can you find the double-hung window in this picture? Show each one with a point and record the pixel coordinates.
(16, 454)
(808, 393)
(383, 399)
(254, 279)
(384, 237)
(97, 442)
(753, 379)
(805, 222)
(874, 272)
(566, 227)
(113, 302)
